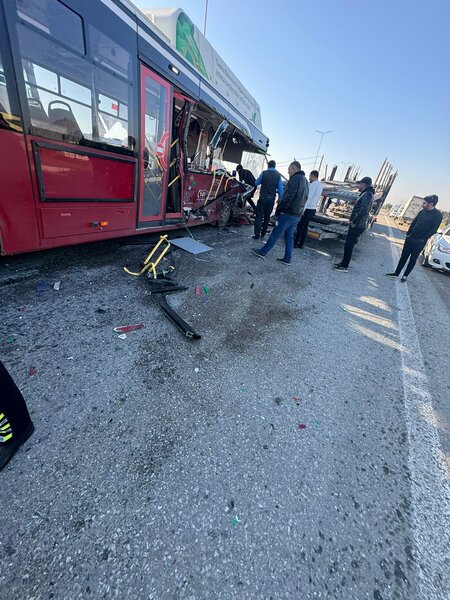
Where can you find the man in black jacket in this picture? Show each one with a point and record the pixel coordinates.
(359, 220)
(421, 229)
(246, 176)
(270, 182)
(289, 211)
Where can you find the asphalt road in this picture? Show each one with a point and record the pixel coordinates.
(299, 450)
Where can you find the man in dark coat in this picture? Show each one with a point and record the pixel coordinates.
(247, 177)
(289, 211)
(270, 182)
(421, 229)
(359, 221)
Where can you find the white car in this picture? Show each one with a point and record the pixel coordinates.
(436, 253)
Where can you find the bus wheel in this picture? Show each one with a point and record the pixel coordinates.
(225, 214)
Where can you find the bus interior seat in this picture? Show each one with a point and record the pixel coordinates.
(63, 117)
(37, 112)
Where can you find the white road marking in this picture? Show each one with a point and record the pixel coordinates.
(430, 489)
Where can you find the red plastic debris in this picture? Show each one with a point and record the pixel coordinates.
(198, 289)
(301, 426)
(32, 372)
(127, 328)
(296, 399)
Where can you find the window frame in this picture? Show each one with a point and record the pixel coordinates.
(27, 23)
(12, 85)
(129, 45)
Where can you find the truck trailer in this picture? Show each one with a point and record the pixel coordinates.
(410, 210)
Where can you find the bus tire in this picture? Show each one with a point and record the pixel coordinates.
(225, 214)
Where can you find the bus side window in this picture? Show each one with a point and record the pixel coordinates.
(71, 97)
(54, 18)
(7, 119)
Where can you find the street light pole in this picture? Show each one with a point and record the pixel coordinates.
(322, 133)
(206, 16)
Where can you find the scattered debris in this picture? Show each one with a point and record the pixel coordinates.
(198, 289)
(252, 286)
(127, 328)
(206, 289)
(236, 520)
(296, 399)
(21, 308)
(175, 318)
(301, 426)
(32, 371)
(251, 274)
(10, 339)
(196, 370)
(43, 286)
(100, 311)
(57, 286)
(122, 336)
(278, 400)
(157, 253)
(190, 245)
(70, 358)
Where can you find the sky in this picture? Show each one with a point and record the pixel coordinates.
(374, 73)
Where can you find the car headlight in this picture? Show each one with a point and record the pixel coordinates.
(444, 249)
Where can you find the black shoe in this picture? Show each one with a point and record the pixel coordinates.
(8, 450)
(255, 237)
(340, 267)
(404, 279)
(391, 275)
(285, 262)
(258, 254)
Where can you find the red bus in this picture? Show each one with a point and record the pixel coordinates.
(107, 129)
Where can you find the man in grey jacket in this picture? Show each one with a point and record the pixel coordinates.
(359, 221)
(289, 211)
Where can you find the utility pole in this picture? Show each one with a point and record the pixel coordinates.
(322, 133)
(206, 16)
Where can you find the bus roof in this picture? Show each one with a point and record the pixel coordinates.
(174, 35)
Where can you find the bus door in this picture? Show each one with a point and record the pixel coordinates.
(155, 147)
(178, 165)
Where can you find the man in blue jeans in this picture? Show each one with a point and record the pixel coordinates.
(289, 211)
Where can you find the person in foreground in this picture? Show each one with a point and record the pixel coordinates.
(15, 422)
(289, 211)
(425, 225)
(359, 219)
